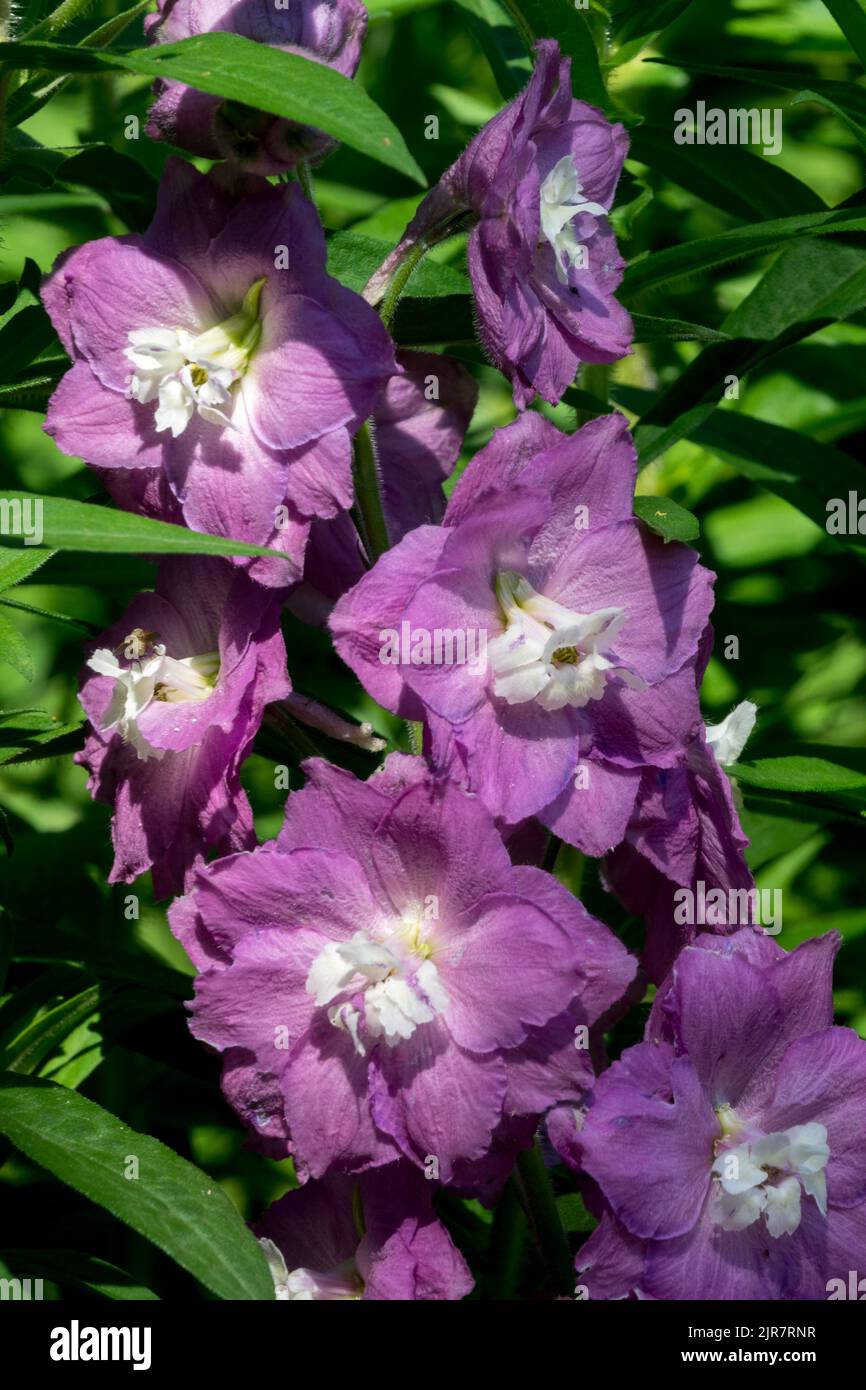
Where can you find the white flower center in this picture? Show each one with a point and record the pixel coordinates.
(379, 985)
(561, 201)
(308, 1285)
(151, 675)
(188, 372)
(764, 1177)
(728, 739)
(549, 653)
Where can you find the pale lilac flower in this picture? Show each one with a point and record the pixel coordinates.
(685, 834)
(328, 31)
(383, 982)
(536, 185)
(174, 692)
(218, 372)
(371, 1237)
(568, 634)
(728, 1145)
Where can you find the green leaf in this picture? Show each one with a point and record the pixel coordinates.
(69, 525)
(845, 98)
(501, 43)
(353, 257)
(70, 1267)
(25, 332)
(631, 21)
(544, 18)
(667, 518)
(837, 771)
(13, 649)
(854, 125)
(573, 1213)
(649, 329)
(28, 1050)
(18, 565)
(660, 267)
(35, 389)
(52, 945)
(267, 79)
(171, 1203)
(735, 180)
(851, 18)
(29, 734)
(810, 284)
(128, 188)
(807, 473)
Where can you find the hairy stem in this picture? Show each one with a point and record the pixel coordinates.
(368, 495)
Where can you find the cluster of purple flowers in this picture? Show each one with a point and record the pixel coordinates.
(400, 993)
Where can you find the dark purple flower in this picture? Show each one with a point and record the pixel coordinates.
(218, 371)
(682, 863)
(371, 1237)
(328, 31)
(384, 983)
(174, 693)
(537, 183)
(546, 637)
(728, 1145)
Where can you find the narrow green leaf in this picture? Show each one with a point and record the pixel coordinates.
(810, 284)
(649, 329)
(25, 332)
(171, 1202)
(501, 43)
(69, 525)
(667, 518)
(13, 649)
(128, 188)
(660, 267)
(846, 97)
(18, 565)
(735, 180)
(236, 68)
(854, 125)
(851, 18)
(560, 19)
(837, 771)
(807, 473)
(353, 257)
(631, 21)
(71, 1267)
(28, 1050)
(29, 734)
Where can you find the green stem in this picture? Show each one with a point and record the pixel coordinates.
(595, 379)
(520, 23)
(506, 1242)
(540, 1206)
(66, 13)
(399, 280)
(368, 496)
(305, 179)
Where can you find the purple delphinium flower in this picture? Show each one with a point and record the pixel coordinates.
(328, 31)
(728, 1145)
(371, 1237)
(417, 428)
(384, 983)
(537, 184)
(548, 639)
(215, 361)
(685, 834)
(174, 692)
